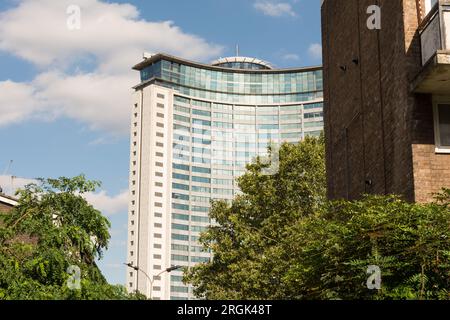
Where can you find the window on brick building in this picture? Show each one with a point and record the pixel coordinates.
(442, 127)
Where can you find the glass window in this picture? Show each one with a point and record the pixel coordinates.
(181, 109)
(200, 140)
(268, 126)
(179, 206)
(200, 199)
(244, 117)
(313, 124)
(180, 237)
(180, 196)
(179, 247)
(199, 103)
(296, 108)
(178, 226)
(182, 99)
(180, 186)
(200, 219)
(313, 106)
(291, 126)
(201, 179)
(224, 107)
(180, 176)
(201, 160)
(272, 117)
(222, 191)
(264, 109)
(198, 228)
(268, 136)
(244, 108)
(221, 115)
(222, 181)
(313, 115)
(178, 216)
(201, 150)
(313, 133)
(429, 4)
(176, 257)
(201, 170)
(442, 123)
(204, 123)
(181, 118)
(222, 172)
(294, 135)
(201, 189)
(180, 166)
(179, 289)
(201, 113)
(200, 209)
(201, 131)
(288, 117)
(181, 128)
(200, 259)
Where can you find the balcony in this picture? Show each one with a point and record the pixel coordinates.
(435, 46)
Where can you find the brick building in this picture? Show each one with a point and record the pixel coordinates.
(6, 203)
(387, 97)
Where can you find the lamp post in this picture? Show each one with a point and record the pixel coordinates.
(168, 270)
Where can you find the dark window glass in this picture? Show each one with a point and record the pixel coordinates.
(444, 124)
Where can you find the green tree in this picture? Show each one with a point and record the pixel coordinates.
(281, 239)
(251, 231)
(52, 228)
(409, 242)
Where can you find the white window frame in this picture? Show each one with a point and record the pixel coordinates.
(429, 4)
(437, 136)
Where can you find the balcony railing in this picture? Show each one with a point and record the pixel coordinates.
(435, 31)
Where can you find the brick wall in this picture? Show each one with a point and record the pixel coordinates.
(379, 135)
(4, 207)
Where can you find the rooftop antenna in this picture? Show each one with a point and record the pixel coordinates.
(8, 166)
(237, 50)
(12, 184)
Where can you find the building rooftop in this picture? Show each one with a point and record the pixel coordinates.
(253, 65)
(242, 63)
(4, 199)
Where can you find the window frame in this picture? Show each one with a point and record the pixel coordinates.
(437, 101)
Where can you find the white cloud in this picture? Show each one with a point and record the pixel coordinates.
(11, 184)
(107, 204)
(291, 56)
(16, 102)
(272, 9)
(315, 51)
(100, 100)
(112, 37)
(36, 30)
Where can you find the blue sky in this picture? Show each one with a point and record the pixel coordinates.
(65, 94)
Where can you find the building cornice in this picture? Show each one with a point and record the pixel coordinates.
(8, 200)
(163, 56)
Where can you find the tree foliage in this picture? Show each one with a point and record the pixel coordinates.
(52, 228)
(281, 239)
(251, 230)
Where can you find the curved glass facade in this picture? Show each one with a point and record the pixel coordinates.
(262, 87)
(222, 119)
(242, 65)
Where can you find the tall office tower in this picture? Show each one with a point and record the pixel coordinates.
(387, 97)
(194, 128)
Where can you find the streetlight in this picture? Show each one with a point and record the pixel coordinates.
(168, 270)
